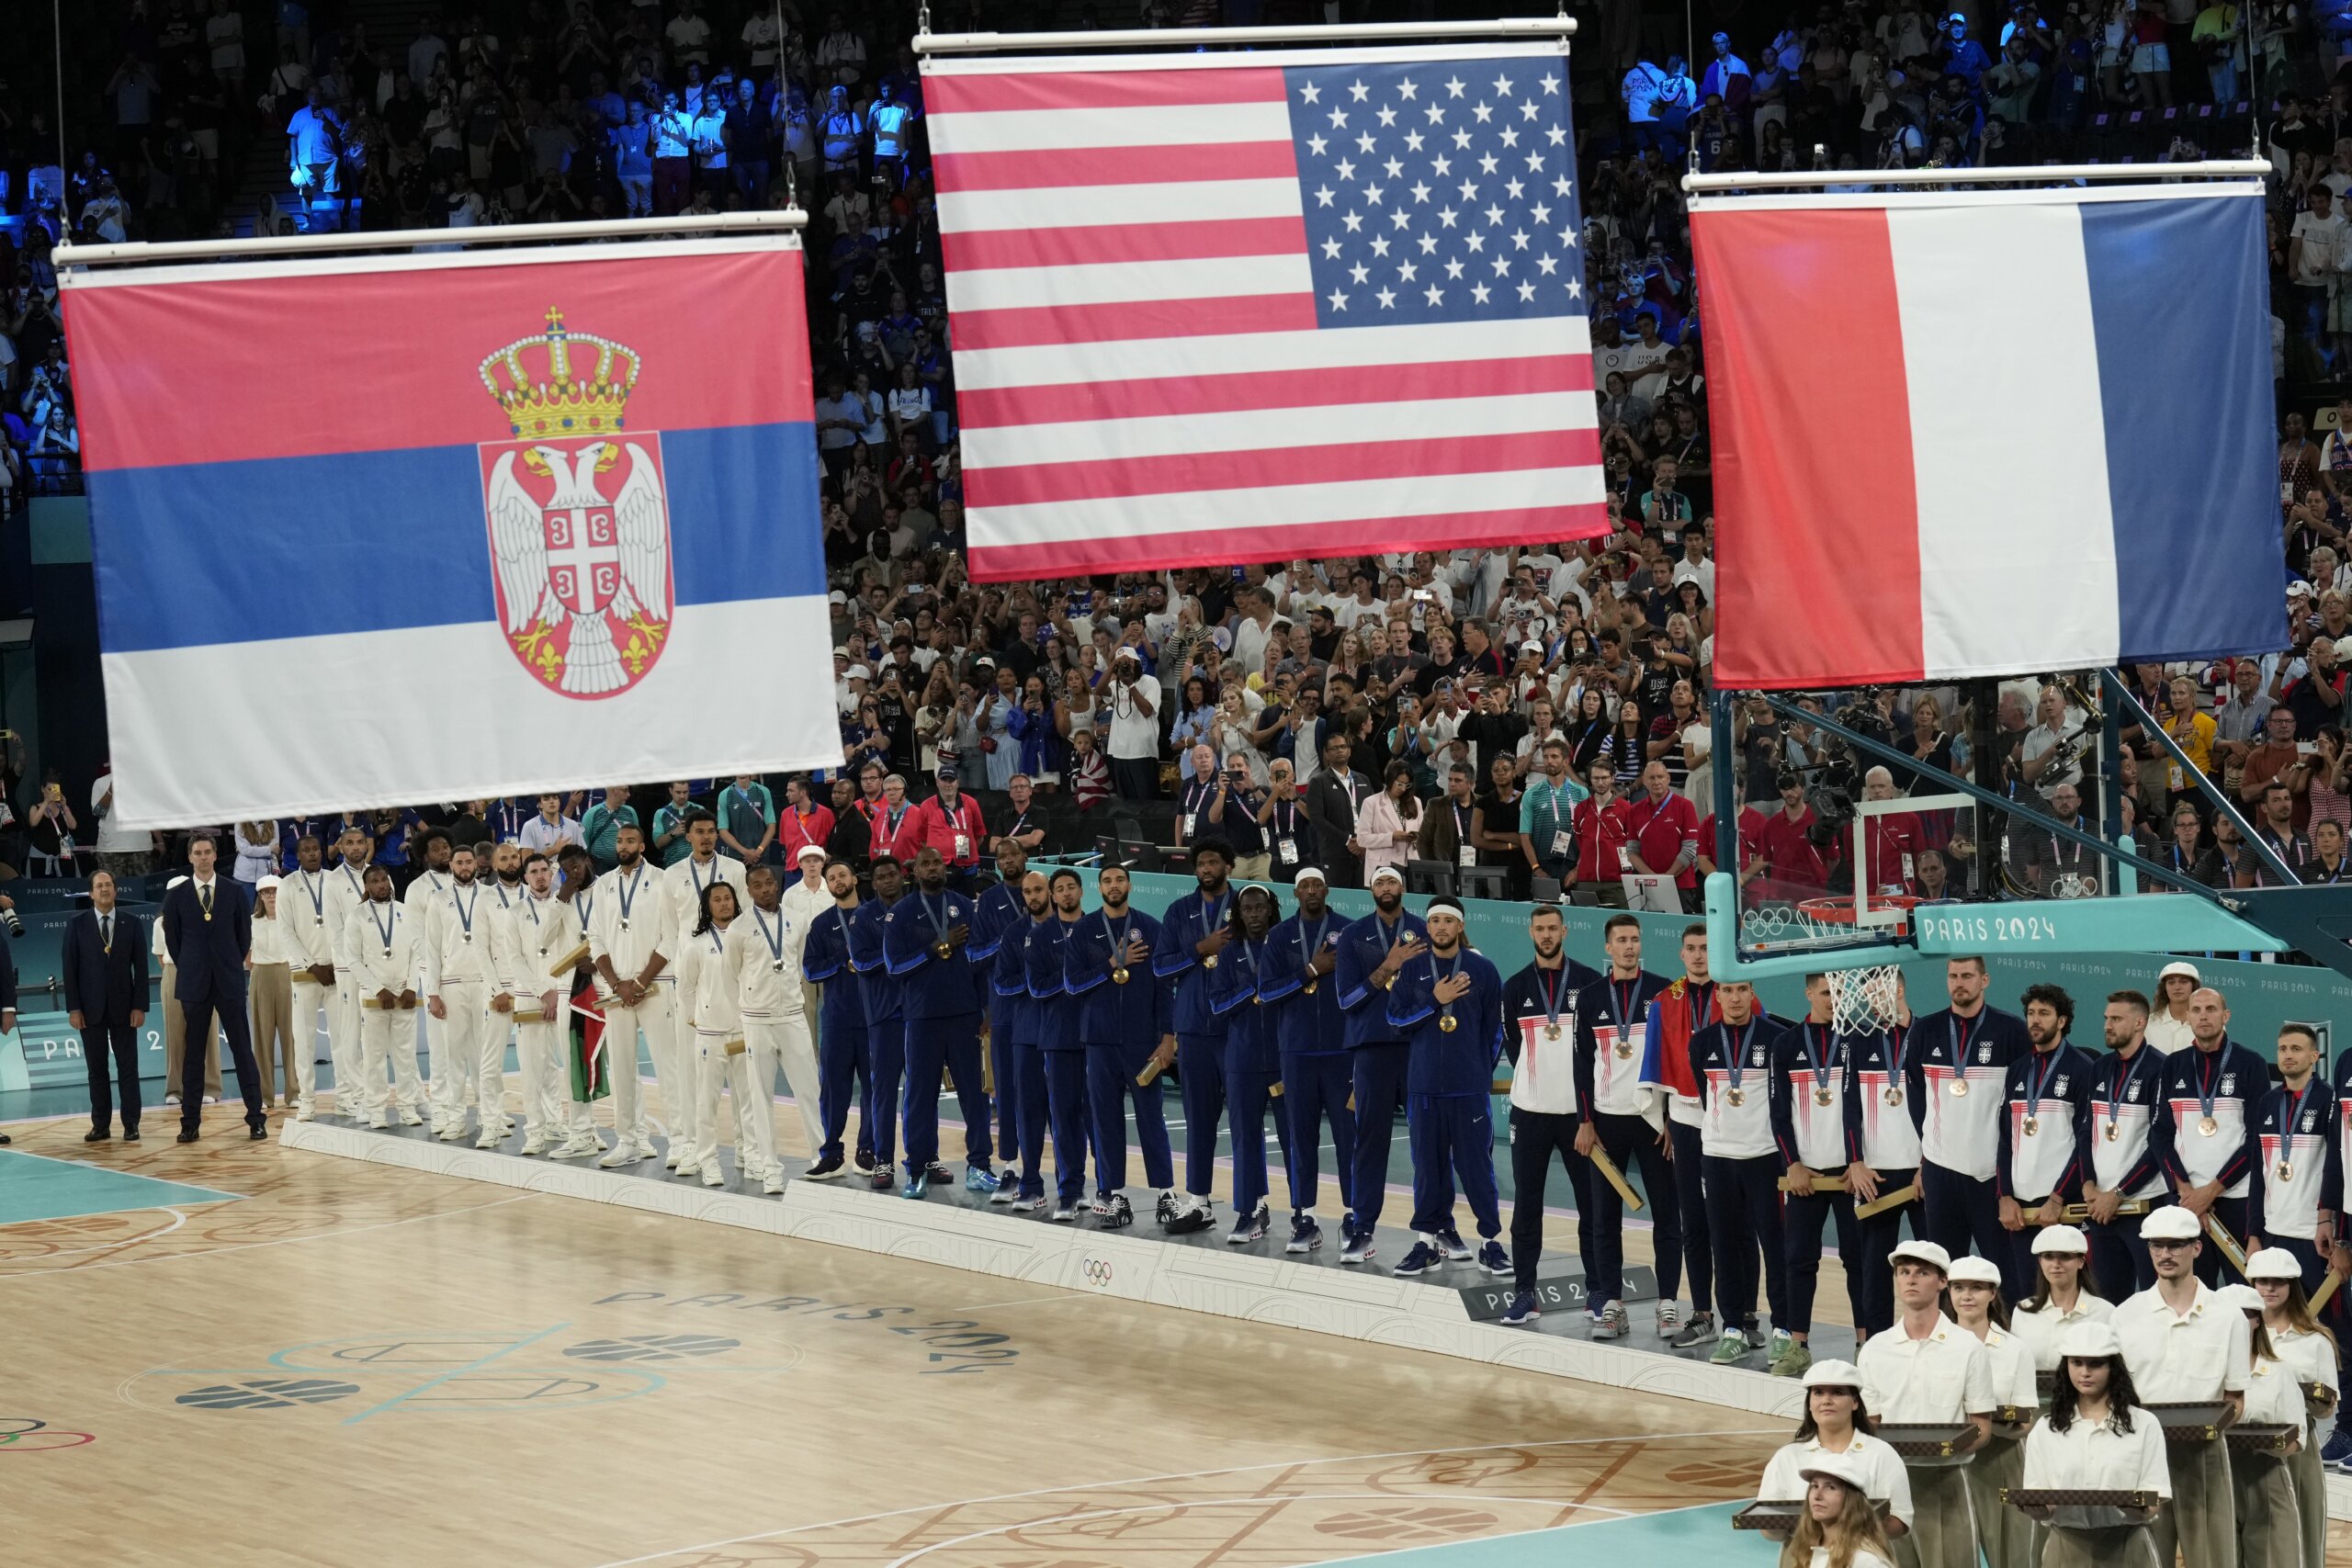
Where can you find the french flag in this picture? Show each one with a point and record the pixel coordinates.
(451, 527)
(1989, 432)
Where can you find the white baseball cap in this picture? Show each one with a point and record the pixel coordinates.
(2060, 1238)
(1846, 1468)
(2171, 1223)
(2272, 1263)
(1972, 1269)
(2178, 968)
(1833, 1374)
(807, 850)
(2089, 1341)
(1926, 1252)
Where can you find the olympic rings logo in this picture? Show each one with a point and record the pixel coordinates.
(23, 1434)
(1095, 1271)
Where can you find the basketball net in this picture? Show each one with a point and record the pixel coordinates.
(1864, 1000)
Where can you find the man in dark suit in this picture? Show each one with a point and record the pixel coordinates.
(105, 999)
(1333, 796)
(207, 926)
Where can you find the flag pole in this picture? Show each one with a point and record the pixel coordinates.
(1801, 179)
(1562, 28)
(787, 220)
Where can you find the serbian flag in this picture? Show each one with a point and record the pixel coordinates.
(1211, 307)
(1964, 433)
(450, 526)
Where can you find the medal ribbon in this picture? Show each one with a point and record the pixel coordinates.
(383, 927)
(2287, 1129)
(2207, 1079)
(2036, 1081)
(626, 891)
(1623, 1008)
(1821, 1061)
(775, 943)
(1961, 1042)
(1736, 1056)
(2121, 1084)
(466, 910)
(1550, 989)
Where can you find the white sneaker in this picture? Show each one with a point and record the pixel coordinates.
(623, 1153)
(452, 1131)
(675, 1159)
(579, 1146)
(643, 1149)
(378, 1123)
(409, 1118)
(773, 1185)
(713, 1174)
(304, 1112)
(535, 1142)
(1669, 1319)
(211, 1099)
(491, 1136)
(171, 1100)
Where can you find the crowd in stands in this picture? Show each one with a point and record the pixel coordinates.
(1368, 711)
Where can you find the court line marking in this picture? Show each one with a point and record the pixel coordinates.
(1032, 1300)
(1257, 1502)
(178, 1218)
(280, 1241)
(473, 1366)
(1188, 1475)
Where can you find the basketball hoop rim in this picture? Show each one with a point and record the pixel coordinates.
(1838, 910)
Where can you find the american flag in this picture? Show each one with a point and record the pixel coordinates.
(1218, 308)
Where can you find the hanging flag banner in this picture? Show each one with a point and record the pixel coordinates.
(1989, 432)
(368, 532)
(1216, 308)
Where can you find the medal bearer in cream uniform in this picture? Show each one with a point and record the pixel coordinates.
(2006, 1535)
(2297, 1338)
(379, 952)
(2097, 1439)
(454, 933)
(804, 898)
(2062, 1297)
(707, 987)
(272, 999)
(347, 890)
(629, 941)
(688, 879)
(449, 1077)
(539, 930)
(763, 951)
(2184, 1347)
(1835, 1425)
(309, 964)
(1840, 1526)
(2271, 1525)
(1927, 1369)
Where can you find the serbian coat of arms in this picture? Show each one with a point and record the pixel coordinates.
(578, 512)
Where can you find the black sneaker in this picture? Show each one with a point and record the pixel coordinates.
(1120, 1214)
(1166, 1210)
(1700, 1330)
(883, 1179)
(1523, 1310)
(826, 1169)
(862, 1163)
(937, 1171)
(1185, 1222)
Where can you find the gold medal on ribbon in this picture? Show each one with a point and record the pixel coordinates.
(1448, 1024)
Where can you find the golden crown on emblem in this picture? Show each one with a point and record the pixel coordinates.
(544, 394)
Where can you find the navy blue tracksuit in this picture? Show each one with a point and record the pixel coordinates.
(1378, 1053)
(997, 910)
(1253, 1066)
(1200, 1032)
(844, 1054)
(886, 1026)
(1120, 1023)
(941, 1001)
(1451, 1081)
(1313, 1034)
(1061, 1055)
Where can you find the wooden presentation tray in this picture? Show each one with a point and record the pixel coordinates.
(1925, 1444)
(2199, 1422)
(2263, 1440)
(1777, 1514)
(2082, 1509)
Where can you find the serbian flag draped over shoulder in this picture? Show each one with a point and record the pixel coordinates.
(372, 531)
(1963, 434)
(1222, 306)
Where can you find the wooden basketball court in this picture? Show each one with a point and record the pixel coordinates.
(242, 1352)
